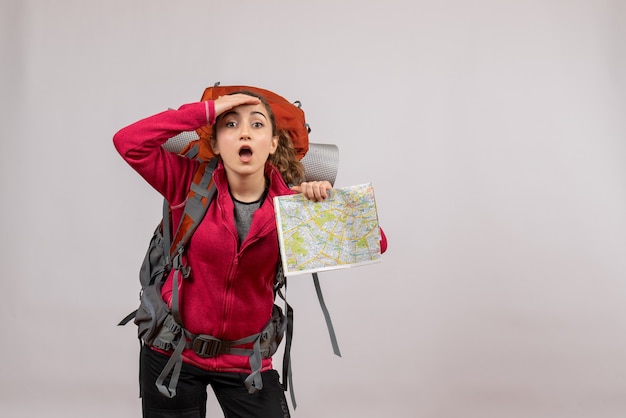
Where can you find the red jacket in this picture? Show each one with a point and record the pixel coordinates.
(229, 292)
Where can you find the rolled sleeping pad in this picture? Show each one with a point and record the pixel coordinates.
(321, 162)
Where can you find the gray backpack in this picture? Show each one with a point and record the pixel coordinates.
(161, 327)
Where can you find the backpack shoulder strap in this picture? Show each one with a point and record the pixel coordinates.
(166, 228)
(201, 193)
(199, 198)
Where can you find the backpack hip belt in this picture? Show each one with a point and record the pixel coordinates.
(207, 346)
(174, 338)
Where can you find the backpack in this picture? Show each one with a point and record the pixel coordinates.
(161, 327)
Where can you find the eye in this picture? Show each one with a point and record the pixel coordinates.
(257, 124)
(230, 124)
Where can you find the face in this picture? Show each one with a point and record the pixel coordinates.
(244, 139)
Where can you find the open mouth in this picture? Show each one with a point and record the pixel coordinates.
(245, 153)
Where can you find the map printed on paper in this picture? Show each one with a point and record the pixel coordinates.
(340, 232)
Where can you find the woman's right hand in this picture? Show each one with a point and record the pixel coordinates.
(230, 101)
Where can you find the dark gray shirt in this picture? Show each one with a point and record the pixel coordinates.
(243, 215)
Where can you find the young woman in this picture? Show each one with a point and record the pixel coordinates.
(233, 255)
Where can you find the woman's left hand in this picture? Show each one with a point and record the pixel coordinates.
(314, 190)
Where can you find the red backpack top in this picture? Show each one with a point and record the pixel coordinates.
(288, 116)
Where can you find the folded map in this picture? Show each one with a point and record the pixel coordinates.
(341, 231)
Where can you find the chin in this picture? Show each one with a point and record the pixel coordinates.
(247, 169)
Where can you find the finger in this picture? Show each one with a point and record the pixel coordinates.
(318, 193)
(307, 191)
(228, 102)
(322, 188)
(323, 191)
(245, 99)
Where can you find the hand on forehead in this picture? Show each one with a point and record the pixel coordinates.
(230, 101)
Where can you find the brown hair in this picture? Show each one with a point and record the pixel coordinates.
(284, 158)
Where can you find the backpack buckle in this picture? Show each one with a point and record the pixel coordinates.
(206, 346)
(177, 264)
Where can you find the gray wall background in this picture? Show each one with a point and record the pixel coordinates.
(493, 132)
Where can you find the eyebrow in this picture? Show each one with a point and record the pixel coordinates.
(252, 113)
(259, 113)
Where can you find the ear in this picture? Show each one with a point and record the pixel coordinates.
(274, 145)
(214, 146)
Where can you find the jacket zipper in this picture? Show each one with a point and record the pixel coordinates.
(230, 281)
(233, 272)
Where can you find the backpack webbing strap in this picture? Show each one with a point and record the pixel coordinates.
(279, 283)
(208, 346)
(176, 290)
(287, 371)
(166, 232)
(287, 375)
(175, 362)
(193, 151)
(254, 382)
(329, 322)
(127, 318)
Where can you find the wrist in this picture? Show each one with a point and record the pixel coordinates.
(209, 107)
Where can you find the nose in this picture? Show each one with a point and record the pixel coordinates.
(244, 133)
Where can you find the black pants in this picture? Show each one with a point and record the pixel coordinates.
(191, 393)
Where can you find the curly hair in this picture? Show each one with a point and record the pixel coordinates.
(284, 159)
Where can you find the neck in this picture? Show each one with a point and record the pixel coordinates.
(246, 188)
